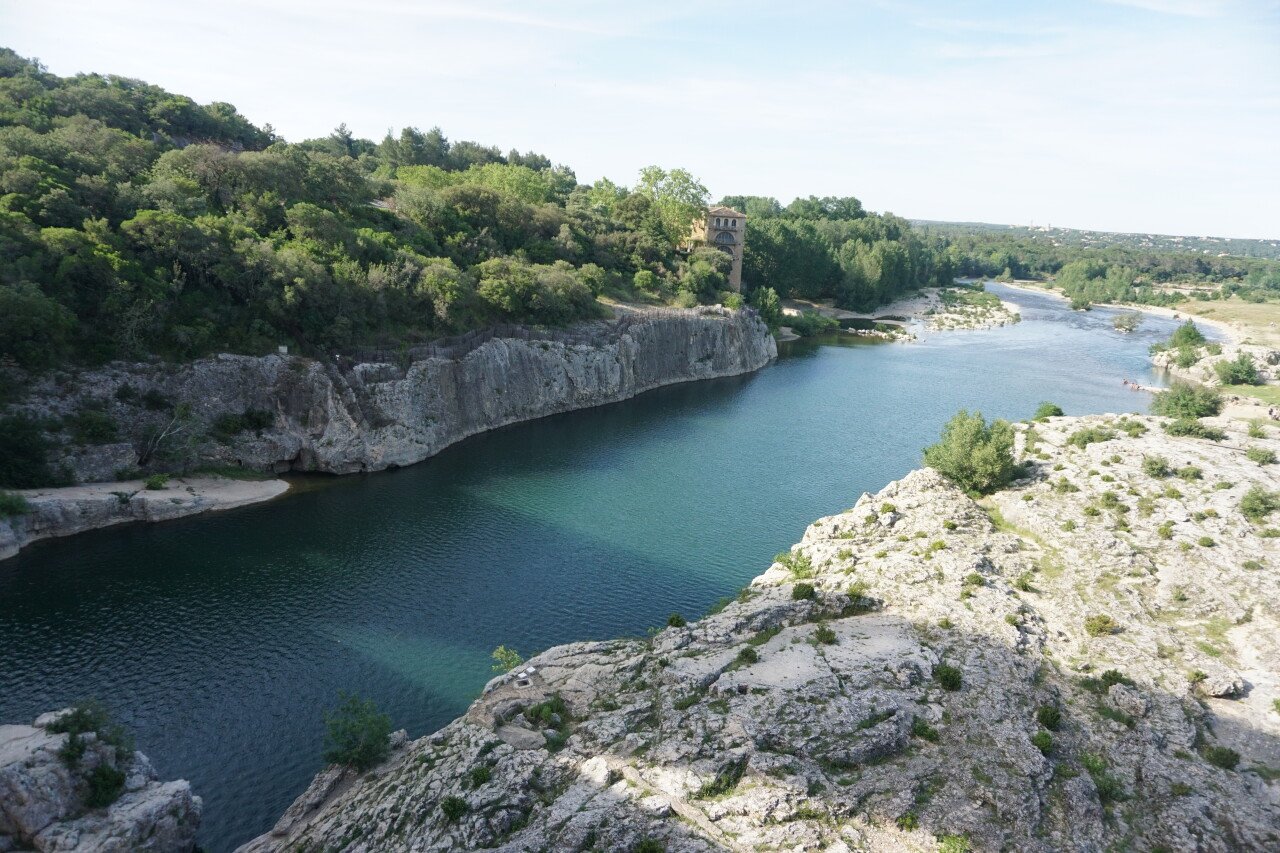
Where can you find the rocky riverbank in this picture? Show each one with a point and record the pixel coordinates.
(75, 792)
(1086, 660)
(282, 413)
(75, 509)
(934, 309)
(1203, 369)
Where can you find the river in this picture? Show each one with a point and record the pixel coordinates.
(219, 640)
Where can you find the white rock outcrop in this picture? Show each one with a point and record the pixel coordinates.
(1085, 661)
(44, 797)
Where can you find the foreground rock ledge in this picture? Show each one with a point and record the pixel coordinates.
(839, 733)
(42, 798)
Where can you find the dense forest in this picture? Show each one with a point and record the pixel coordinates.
(136, 222)
(1093, 269)
(832, 248)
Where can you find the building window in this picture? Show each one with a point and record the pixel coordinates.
(735, 224)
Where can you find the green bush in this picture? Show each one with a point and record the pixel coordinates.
(1192, 428)
(803, 592)
(156, 482)
(1042, 741)
(748, 655)
(1186, 335)
(812, 323)
(823, 634)
(24, 451)
(229, 425)
(725, 781)
(1241, 371)
(453, 808)
(1156, 466)
(649, 845)
(35, 329)
(1085, 436)
(1047, 410)
(921, 729)
(11, 504)
(947, 676)
(1261, 455)
(1258, 503)
(1221, 756)
(1190, 473)
(675, 620)
(356, 734)
(479, 775)
(505, 659)
(1186, 357)
(1101, 625)
(976, 456)
(1187, 401)
(92, 426)
(106, 784)
(1049, 716)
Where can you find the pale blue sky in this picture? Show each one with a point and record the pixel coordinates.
(1134, 115)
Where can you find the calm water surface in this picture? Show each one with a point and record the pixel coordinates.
(219, 640)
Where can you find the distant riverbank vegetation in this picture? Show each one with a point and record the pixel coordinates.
(1095, 267)
(831, 248)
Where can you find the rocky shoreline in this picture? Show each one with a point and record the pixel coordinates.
(75, 509)
(281, 413)
(1086, 660)
(64, 790)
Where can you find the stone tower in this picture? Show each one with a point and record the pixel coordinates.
(724, 228)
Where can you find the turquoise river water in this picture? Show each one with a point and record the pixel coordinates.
(219, 640)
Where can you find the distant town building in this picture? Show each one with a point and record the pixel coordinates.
(724, 228)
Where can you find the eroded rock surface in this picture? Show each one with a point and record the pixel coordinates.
(949, 685)
(46, 797)
(303, 415)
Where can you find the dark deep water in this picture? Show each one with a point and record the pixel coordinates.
(219, 640)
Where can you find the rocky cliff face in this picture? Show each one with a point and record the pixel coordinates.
(78, 794)
(1086, 661)
(285, 413)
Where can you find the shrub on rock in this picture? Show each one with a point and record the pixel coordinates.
(976, 455)
(356, 734)
(1187, 401)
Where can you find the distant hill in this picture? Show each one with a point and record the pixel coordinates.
(1215, 246)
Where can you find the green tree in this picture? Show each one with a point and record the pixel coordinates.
(1239, 371)
(766, 301)
(1186, 401)
(976, 456)
(34, 329)
(356, 734)
(505, 659)
(678, 197)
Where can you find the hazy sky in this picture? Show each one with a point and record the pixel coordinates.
(1132, 115)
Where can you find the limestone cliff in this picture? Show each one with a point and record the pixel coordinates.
(282, 413)
(72, 792)
(1086, 661)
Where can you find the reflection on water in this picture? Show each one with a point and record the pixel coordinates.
(220, 639)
